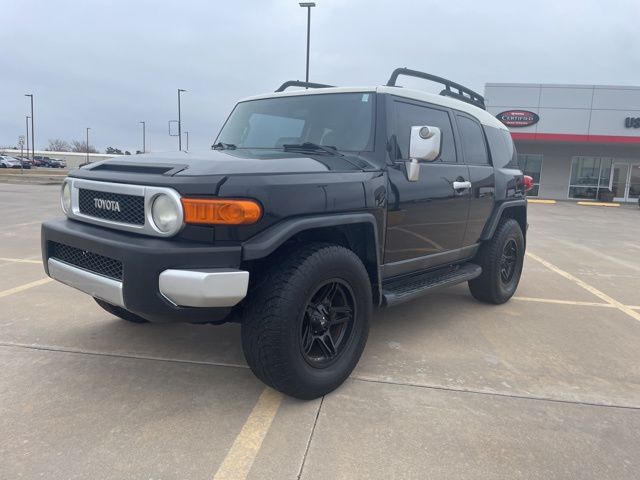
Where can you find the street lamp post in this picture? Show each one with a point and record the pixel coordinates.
(33, 137)
(180, 90)
(27, 125)
(144, 140)
(87, 145)
(308, 6)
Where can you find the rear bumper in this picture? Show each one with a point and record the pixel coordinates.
(161, 280)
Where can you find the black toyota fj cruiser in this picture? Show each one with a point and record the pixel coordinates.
(312, 207)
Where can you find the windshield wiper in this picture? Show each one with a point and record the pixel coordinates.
(309, 146)
(223, 146)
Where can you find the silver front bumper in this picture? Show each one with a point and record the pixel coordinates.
(219, 287)
(104, 288)
(216, 287)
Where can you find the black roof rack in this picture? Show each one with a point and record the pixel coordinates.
(298, 83)
(463, 93)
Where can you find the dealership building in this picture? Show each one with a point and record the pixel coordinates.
(576, 141)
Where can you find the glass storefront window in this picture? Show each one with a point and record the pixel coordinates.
(531, 165)
(590, 178)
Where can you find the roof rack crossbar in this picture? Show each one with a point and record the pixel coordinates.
(463, 93)
(299, 83)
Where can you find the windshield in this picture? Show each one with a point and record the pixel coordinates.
(340, 120)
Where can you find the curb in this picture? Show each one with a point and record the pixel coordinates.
(32, 179)
(598, 204)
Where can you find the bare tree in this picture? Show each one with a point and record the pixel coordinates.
(81, 147)
(58, 145)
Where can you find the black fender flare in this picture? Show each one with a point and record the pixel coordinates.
(267, 241)
(492, 223)
(270, 239)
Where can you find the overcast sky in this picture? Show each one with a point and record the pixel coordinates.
(110, 64)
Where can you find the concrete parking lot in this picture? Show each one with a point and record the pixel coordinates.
(545, 386)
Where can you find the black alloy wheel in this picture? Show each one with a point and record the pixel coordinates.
(501, 259)
(327, 323)
(508, 261)
(306, 319)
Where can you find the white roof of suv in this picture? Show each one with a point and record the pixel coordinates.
(481, 115)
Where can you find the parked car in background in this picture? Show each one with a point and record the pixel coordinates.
(9, 162)
(26, 162)
(44, 161)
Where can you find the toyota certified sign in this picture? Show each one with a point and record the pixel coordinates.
(518, 118)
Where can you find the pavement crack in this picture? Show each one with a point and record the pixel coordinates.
(313, 429)
(48, 348)
(492, 394)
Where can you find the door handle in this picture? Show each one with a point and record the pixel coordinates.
(461, 185)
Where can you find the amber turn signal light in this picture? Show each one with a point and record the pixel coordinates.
(205, 211)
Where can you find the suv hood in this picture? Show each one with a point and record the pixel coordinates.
(230, 162)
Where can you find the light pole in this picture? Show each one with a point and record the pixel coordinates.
(180, 90)
(33, 137)
(308, 6)
(27, 125)
(87, 145)
(144, 140)
(187, 134)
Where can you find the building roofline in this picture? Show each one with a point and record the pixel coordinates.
(562, 85)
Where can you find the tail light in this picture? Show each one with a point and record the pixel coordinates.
(528, 183)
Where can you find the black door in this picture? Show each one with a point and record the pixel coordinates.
(481, 176)
(427, 218)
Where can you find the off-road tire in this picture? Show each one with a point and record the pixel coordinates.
(490, 286)
(275, 316)
(120, 312)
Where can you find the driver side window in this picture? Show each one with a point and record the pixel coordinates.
(407, 115)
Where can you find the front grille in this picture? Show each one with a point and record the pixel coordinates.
(130, 208)
(105, 266)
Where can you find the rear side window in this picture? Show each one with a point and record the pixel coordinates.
(473, 146)
(503, 152)
(407, 115)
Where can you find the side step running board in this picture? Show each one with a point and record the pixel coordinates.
(407, 288)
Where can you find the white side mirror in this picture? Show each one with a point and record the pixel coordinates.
(425, 144)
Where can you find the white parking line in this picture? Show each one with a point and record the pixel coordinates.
(564, 302)
(603, 296)
(20, 260)
(237, 464)
(26, 286)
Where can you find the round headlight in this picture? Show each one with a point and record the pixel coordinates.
(65, 197)
(165, 213)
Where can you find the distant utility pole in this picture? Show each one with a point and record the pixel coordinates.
(87, 149)
(308, 6)
(27, 125)
(144, 141)
(180, 90)
(33, 134)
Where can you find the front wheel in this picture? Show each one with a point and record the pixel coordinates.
(501, 259)
(308, 320)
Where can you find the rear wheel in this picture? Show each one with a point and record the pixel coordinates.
(501, 259)
(120, 312)
(307, 321)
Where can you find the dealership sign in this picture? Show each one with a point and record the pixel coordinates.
(518, 118)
